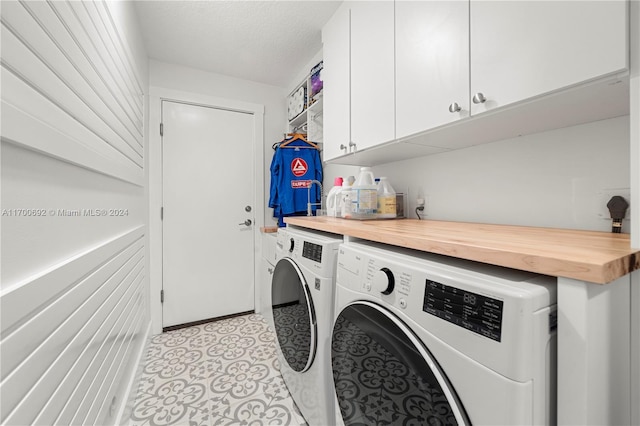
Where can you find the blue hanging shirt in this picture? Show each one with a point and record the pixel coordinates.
(292, 169)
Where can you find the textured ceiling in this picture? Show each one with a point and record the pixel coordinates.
(264, 41)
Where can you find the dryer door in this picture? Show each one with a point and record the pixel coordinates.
(294, 317)
(383, 374)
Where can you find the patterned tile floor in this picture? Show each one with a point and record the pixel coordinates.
(220, 373)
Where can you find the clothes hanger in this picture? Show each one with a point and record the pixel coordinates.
(277, 145)
(292, 137)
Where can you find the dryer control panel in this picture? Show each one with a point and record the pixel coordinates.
(312, 251)
(475, 312)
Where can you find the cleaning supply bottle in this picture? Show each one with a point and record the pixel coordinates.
(364, 198)
(333, 197)
(345, 197)
(386, 200)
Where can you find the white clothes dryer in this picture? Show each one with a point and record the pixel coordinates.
(302, 301)
(427, 339)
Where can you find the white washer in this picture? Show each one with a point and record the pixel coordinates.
(428, 339)
(302, 301)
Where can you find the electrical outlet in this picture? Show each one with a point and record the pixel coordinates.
(605, 195)
(421, 209)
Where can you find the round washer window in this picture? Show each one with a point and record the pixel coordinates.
(384, 375)
(293, 315)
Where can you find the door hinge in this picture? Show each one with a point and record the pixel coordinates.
(161, 296)
(161, 213)
(161, 129)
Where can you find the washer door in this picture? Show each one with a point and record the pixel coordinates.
(293, 315)
(383, 374)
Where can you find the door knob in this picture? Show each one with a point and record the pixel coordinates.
(479, 98)
(454, 107)
(246, 222)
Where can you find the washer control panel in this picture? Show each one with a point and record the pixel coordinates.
(317, 252)
(382, 280)
(475, 312)
(312, 251)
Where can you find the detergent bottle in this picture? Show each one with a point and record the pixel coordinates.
(386, 200)
(345, 197)
(333, 198)
(364, 197)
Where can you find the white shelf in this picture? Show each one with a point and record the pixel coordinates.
(310, 119)
(298, 120)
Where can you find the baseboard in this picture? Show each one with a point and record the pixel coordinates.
(126, 408)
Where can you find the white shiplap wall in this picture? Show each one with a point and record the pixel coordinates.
(74, 292)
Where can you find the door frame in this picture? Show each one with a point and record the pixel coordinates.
(154, 178)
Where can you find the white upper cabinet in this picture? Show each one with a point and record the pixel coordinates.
(522, 49)
(336, 89)
(425, 72)
(432, 64)
(372, 73)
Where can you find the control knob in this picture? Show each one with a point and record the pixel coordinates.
(383, 281)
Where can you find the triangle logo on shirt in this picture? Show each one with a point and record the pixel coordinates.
(299, 167)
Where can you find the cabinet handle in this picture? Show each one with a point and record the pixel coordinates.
(454, 107)
(352, 144)
(479, 98)
(343, 147)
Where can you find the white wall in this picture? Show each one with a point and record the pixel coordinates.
(73, 293)
(559, 179)
(177, 77)
(303, 73)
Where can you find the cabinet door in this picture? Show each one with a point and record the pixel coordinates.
(372, 73)
(432, 64)
(521, 49)
(335, 76)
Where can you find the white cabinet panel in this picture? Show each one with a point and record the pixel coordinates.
(413, 68)
(432, 64)
(335, 75)
(522, 49)
(372, 73)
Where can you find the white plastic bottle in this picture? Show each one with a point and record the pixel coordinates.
(345, 197)
(333, 198)
(386, 200)
(364, 197)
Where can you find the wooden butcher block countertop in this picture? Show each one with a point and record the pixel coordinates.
(598, 257)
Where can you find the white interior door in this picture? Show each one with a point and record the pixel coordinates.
(208, 250)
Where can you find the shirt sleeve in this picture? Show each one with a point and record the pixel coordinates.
(275, 175)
